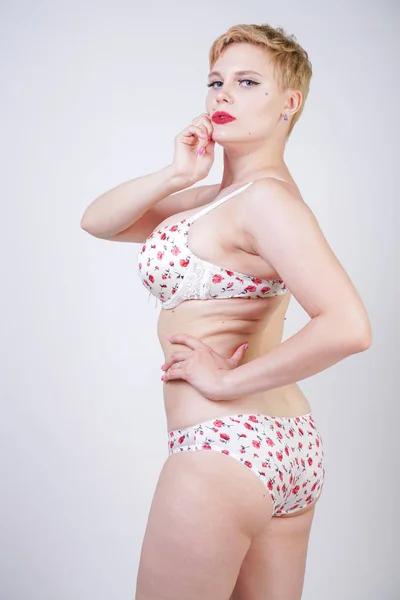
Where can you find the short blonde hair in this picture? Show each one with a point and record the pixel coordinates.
(291, 65)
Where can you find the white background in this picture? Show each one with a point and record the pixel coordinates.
(92, 94)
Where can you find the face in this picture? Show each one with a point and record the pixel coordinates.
(251, 96)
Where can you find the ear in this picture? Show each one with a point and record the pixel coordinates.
(293, 101)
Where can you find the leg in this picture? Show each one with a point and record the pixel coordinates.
(204, 513)
(274, 566)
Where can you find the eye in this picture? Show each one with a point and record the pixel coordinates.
(250, 81)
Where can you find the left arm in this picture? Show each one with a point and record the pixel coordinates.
(287, 235)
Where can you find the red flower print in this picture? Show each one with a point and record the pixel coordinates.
(230, 273)
(224, 436)
(160, 255)
(225, 452)
(281, 475)
(173, 291)
(173, 228)
(270, 485)
(265, 289)
(253, 418)
(300, 445)
(151, 278)
(279, 455)
(256, 443)
(163, 236)
(143, 248)
(140, 266)
(175, 251)
(183, 262)
(171, 263)
(206, 447)
(280, 436)
(310, 461)
(309, 498)
(218, 423)
(181, 439)
(146, 282)
(217, 278)
(296, 489)
(301, 432)
(317, 442)
(286, 451)
(248, 464)
(278, 424)
(270, 442)
(248, 426)
(171, 444)
(314, 486)
(257, 281)
(250, 288)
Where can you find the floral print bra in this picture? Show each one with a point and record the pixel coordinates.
(172, 273)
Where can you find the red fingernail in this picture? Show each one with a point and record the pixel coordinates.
(162, 377)
(246, 346)
(201, 150)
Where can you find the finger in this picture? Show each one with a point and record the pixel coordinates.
(174, 373)
(175, 357)
(194, 133)
(205, 120)
(186, 340)
(238, 355)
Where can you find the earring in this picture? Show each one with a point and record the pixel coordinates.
(286, 117)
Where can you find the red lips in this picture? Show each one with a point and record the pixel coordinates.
(220, 117)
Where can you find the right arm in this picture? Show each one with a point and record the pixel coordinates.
(133, 209)
(130, 211)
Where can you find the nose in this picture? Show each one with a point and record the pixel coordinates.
(223, 95)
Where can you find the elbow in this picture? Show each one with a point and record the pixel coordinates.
(360, 338)
(88, 226)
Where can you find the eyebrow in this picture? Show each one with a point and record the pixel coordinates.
(236, 73)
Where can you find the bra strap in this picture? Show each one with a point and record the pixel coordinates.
(212, 205)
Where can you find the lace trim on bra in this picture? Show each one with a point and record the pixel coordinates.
(195, 285)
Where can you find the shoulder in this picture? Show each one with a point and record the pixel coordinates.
(273, 203)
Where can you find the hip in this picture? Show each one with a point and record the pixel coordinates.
(185, 406)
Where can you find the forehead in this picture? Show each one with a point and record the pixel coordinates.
(243, 56)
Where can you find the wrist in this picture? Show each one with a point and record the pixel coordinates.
(228, 388)
(177, 180)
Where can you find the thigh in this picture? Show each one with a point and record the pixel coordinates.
(206, 509)
(274, 566)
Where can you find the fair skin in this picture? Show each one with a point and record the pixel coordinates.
(211, 533)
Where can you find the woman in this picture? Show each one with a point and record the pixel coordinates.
(223, 260)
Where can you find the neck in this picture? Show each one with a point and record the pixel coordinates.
(244, 163)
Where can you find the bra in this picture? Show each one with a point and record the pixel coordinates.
(172, 273)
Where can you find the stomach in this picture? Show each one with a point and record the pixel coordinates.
(225, 324)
